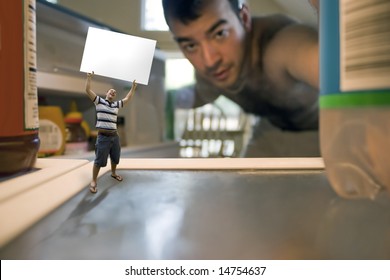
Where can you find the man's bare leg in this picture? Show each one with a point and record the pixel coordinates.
(95, 172)
(113, 172)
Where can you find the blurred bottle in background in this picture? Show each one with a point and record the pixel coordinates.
(77, 132)
(355, 95)
(19, 120)
(51, 131)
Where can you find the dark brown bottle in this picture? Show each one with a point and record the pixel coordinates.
(19, 119)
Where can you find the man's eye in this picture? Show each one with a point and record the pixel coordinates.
(221, 34)
(189, 47)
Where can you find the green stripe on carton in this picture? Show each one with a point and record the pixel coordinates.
(355, 99)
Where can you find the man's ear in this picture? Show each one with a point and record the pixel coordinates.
(245, 17)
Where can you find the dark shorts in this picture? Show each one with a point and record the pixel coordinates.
(107, 145)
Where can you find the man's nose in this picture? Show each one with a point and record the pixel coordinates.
(211, 55)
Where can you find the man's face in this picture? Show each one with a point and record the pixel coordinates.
(110, 95)
(213, 43)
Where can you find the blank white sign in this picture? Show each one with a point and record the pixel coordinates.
(117, 55)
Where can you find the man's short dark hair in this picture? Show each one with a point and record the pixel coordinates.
(189, 10)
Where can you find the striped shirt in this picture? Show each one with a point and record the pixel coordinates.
(107, 113)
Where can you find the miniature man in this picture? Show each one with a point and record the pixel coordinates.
(267, 65)
(107, 142)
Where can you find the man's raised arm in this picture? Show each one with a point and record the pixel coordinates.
(90, 93)
(130, 93)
